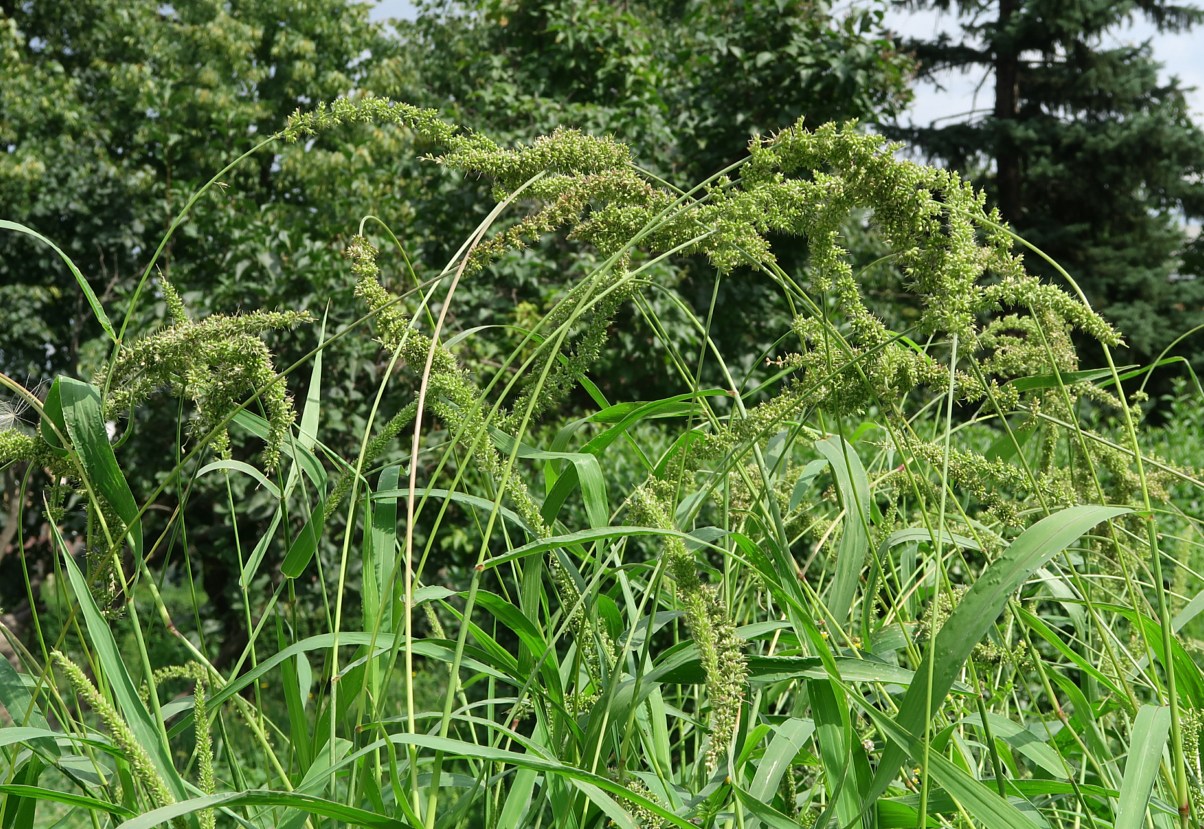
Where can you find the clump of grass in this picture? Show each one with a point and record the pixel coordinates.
(880, 576)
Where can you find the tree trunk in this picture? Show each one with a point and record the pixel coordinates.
(1007, 108)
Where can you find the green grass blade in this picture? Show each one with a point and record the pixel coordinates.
(1150, 730)
(42, 736)
(1190, 682)
(319, 642)
(304, 458)
(514, 622)
(592, 785)
(98, 310)
(251, 569)
(1066, 378)
(981, 801)
(305, 545)
(19, 810)
(319, 777)
(345, 815)
(1084, 720)
(1038, 626)
(854, 489)
(125, 694)
(76, 410)
(1025, 742)
(921, 534)
(295, 683)
(75, 801)
(482, 505)
(762, 811)
(518, 798)
(624, 417)
(683, 665)
(580, 537)
(789, 738)
(246, 469)
(307, 429)
(587, 473)
(17, 701)
(835, 739)
(893, 814)
(977, 611)
(379, 552)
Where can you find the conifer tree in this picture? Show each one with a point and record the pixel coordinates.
(1088, 153)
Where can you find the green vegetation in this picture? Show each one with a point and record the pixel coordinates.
(150, 100)
(1071, 111)
(447, 464)
(928, 576)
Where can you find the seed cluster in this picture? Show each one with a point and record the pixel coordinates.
(217, 363)
(955, 257)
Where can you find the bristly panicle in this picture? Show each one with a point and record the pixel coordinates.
(217, 363)
(955, 256)
(707, 620)
(144, 772)
(797, 182)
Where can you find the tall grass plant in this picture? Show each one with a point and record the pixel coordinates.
(925, 577)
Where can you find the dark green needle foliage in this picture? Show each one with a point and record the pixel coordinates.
(1089, 153)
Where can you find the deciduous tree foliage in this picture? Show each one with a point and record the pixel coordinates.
(1088, 154)
(111, 115)
(687, 82)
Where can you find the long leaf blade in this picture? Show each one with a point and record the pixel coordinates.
(98, 310)
(854, 489)
(125, 695)
(1149, 739)
(976, 612)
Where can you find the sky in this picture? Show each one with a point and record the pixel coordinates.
(1182, 56)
